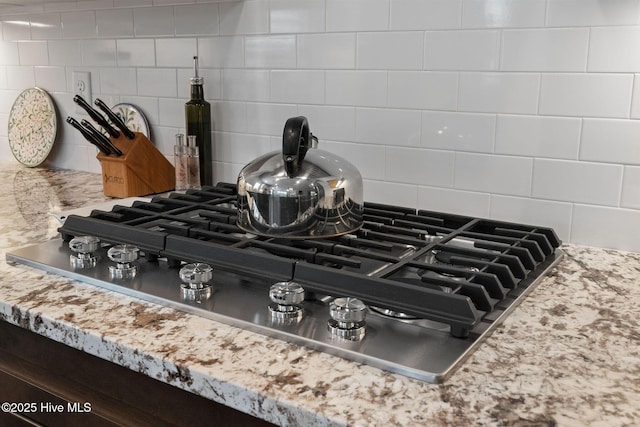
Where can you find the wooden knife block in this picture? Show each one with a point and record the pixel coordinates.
(141, 170)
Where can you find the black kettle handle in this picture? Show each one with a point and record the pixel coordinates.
(295, 143)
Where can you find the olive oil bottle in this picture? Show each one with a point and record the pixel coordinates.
(198, 120)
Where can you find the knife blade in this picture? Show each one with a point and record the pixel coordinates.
(96, 134)
(96, 116)
(103, 149)
(115, 119)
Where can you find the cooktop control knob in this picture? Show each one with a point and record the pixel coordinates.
(286, 298)
(84, 247)
(195, 278)
(347, 318)
(124, 256)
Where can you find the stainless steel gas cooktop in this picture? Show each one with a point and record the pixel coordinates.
(412, 292)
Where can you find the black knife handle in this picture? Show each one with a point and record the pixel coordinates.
(115, 119)
(96, 134)
(97, 117)
(73, 122)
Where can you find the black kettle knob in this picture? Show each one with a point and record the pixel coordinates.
(296, 140)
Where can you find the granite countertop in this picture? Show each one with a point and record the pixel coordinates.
(568, 355)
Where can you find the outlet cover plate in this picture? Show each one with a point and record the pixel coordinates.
(82, 87)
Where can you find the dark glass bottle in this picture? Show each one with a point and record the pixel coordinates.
(198, 120)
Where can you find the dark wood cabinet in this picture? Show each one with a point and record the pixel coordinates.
(79, 389)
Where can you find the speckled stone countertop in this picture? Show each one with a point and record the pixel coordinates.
(568, 355)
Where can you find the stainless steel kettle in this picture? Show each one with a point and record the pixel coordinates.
(299, 192)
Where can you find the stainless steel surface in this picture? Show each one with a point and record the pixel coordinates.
(347, 318)
(196, 277)
(84, 247)
(410, 347)
(124, 256)
(286, 298)
(299, 191)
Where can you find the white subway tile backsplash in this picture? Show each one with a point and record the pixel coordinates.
(99, 53)
(228, 116)
(423, 90)
(268, 119)
(175, 52)
(51, 79)
(78, 25)
(420, 166)
(357, 15)
(425, 14)
(46, 26)
(458, 131)
(9, 53)
(614, 141)
(555, 49)
(606, 227)
(614, 49)
(114, 23)
(556, 215)
(578, 182)
(515, 93)
(16, 28)
(246, 85)
(117, 81)
(135, 53)
(631, 187)
(388, 127)
(239, 148)
(503, 13)
(588, 95)
(153, 21)
(582, 13)
(245, 17)
(197, 19)
(493, 174)
(270, 51)
(221, 52)
(522, 110)
(20, 77)
(297, 86)
(332, 123)
(330, 51)
(454, 201)
(157, 82)
(64, 52)
(390, 50)
(462, 50)
(635, 97)
(171, 112)
(368, 159)
(33, 53)
(535, 136)
(360, 88)
(390, 193)
(297, 16)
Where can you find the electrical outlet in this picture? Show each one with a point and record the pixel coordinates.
(82, 87)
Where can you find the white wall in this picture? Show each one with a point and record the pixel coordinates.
(523, 110)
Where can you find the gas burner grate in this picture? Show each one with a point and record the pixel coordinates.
(446, 268)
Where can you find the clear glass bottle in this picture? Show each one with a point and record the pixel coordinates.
(198, 123)
(181, 163)
(193, 159)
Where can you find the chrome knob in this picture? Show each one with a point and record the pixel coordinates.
(286, 298)
(347, 318)
(83, 246)
(124, 257)
(195, 277)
